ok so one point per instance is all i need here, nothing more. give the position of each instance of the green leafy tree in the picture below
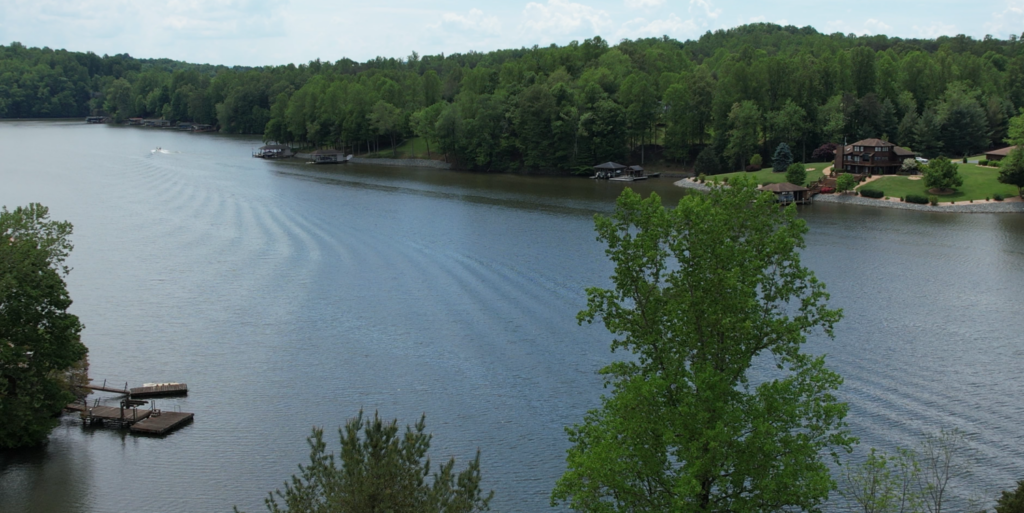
(701, 292)
(744, 120)
(845, 182)
(965, 126)
(1011, 169)
(756, 161)
(380, 470)
(909, 166)
(387, 120)
(707, 162)
(884, 483)
(1012, 502)
(40, 346)
(424, 123)
(1015, 131)
(782, 159)
(796, 174)
(941, 174)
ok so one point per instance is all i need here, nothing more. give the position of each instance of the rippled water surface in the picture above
(288, 296)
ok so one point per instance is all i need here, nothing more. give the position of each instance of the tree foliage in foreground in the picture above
(1012, 502)
(380, 470)
(718, 409)
(41, 352)
(921, 480)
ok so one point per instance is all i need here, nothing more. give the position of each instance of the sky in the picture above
(269, 32)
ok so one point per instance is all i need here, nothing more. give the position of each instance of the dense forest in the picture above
(718, 100)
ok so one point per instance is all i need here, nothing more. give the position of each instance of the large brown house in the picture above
(871, 157)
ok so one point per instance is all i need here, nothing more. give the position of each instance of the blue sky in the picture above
(258, 32)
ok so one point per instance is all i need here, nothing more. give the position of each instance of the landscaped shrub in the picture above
(917, 198)
(702, 177)
(965, 160)
(997, 197)
(828, 190)
(871, 193)
(983, 162)
(753, 168)
(933, 199)
(755, 161)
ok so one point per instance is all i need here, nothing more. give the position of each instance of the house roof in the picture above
(782, 187)
(609, 165)
(635, 168)
(326, 152)
(903, 152)
(1001, 151)
(872, 142)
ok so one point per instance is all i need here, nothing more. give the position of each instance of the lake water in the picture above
(289, 296)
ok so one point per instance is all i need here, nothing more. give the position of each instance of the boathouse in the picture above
(786, 193)
(608, 170)
(327, 157)
(273, 151)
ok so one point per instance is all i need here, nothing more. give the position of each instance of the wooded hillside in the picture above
(731, 94)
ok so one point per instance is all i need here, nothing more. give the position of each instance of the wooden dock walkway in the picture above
(162, 423)
(105, 388)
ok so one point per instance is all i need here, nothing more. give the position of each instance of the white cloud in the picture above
(873, 26)
(563, 17)
(870, 26)
(670, 26)
(643, 4)
(475, 22)
(1009, 20)
(934, 30)
(705, 5)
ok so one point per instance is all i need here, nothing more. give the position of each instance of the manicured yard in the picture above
(766, 175)
(979, 183)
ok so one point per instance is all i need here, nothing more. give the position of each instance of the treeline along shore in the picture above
(725, 97)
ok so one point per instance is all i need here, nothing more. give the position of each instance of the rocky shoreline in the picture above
(961, 208)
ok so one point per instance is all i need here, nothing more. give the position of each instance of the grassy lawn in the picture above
(766, 175)
(979, 183)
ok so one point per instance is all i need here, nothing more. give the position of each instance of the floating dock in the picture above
(128, 415)
(162, 422)
(159, 390)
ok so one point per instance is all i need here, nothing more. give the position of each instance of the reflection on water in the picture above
(288, 296)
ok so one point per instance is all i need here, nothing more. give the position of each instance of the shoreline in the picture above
(991, 207)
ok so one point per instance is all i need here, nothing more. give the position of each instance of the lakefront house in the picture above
(871, 157)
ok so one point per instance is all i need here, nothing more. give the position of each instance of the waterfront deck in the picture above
(105, 414)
